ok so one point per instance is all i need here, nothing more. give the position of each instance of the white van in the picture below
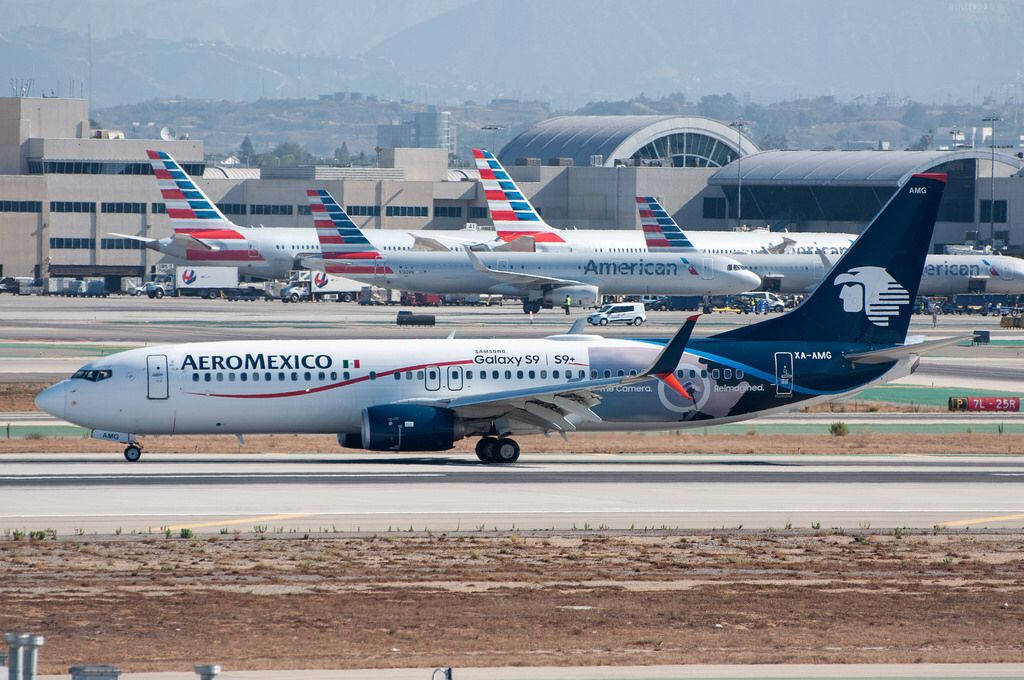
(619, 312)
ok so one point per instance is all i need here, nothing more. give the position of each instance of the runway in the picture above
(89, 493)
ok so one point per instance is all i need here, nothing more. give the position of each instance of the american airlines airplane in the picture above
(512, 221)
(540, 279)
(204, 236)
(799, 273)
(425, 395)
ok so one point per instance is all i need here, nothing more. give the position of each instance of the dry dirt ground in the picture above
(332, 601)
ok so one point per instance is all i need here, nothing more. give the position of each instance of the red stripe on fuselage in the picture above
(538, 236)
(203, 234)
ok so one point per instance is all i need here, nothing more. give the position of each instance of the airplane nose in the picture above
(752, 280)
(51, 400)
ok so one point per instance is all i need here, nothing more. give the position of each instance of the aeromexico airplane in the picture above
(540, 279)
(397, 395)
(202, 235)
(800, 273)
(513, 222)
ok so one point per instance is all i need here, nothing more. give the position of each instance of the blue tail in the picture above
(868, 296)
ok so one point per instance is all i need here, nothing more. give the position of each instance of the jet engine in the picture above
(585, 296)
(405, 427)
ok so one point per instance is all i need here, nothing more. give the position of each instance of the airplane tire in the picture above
(485, 449)
(506, 451)
(132, 453)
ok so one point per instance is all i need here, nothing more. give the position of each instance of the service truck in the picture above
(324, 287)
(187, 281)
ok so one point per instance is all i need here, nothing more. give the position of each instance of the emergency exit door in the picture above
(156, 376)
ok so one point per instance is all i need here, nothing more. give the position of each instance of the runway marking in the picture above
(241, 520)
(981, 520)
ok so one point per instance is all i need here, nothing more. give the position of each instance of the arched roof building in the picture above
(672, 141)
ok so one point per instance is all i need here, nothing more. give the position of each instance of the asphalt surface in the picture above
(94, 493)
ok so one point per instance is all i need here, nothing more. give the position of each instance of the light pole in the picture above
(992, 120)
(494, 138)
(955, 133)
(739, 125)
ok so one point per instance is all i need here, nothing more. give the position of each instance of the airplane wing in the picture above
(519, 278)
(882, 356)
(177, 243)
(315, 263)
(523, 244)
(559, 407)
(428, 243)
(780, 248)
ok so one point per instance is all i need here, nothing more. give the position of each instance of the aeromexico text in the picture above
(256, 362)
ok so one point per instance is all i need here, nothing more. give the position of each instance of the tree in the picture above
(341, 154)
(246, 151)
(922, 144)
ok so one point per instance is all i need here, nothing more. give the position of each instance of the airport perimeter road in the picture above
(377, 493)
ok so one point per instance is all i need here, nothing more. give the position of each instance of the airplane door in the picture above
(455, 377)
(707, 269)
(783, 374)
(432, 378)
(156, 376)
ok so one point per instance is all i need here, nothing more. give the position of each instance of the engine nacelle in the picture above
(582, 296)
(404, 427)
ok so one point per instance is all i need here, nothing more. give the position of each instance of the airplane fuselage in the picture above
(323, 386)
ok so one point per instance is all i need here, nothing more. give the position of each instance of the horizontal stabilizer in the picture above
(884, 356)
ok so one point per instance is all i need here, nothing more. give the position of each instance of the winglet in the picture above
(577, 326)
(664, 366)
(475, 259)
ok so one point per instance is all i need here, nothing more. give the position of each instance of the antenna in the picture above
(90, 62)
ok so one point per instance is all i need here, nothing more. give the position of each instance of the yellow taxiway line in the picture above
(981, 520)
(230, 522)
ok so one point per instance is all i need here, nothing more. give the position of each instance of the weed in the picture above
(185, 532)
(260, 529)
(33, 436)
(223, 531)
(816, 525)
(36, 535)
(936, 529)
(117, 531)
(789, 525)
(838, 429)
(18, 534)
(167, 533)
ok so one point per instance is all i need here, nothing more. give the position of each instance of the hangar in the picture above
(608, 141)
(828, 190)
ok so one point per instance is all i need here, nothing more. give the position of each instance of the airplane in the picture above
(512, 221)
(799, 273)
(202, 235)
(540, 279)
(425, 395)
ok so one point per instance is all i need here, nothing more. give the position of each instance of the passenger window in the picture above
(220, 377)
(255, 377)
(334, 375)
(195, 377)
(419, 375)
(469, 375)
(632, 371)
(508, 375)
(345, 375)
(432, 374)
(620, 373)
(206, 377)
(408, 375)
(494, 375)
(280, 376)
(607, 373)
(703, 373)
(309, 376)
(582, 373)
(714, 374)
(519, 374)
(244, 376)
(693, 373)
(323, 376)
(398, 376)
(231, 377)
(295, 376)
(532, 375)
(544, 375)
(739, 374)
(555, 374)
(268, 376)
(727, 373)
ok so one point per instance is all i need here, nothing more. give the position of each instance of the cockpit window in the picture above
(91, 374)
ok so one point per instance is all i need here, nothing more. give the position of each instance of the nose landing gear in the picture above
(133, 452)
(497, 450)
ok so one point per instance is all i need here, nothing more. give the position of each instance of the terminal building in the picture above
(65, 187)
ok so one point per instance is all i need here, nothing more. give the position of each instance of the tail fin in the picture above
(188, 208)
(660, 231)
(867, 297)
(344, 247)
(512, 213)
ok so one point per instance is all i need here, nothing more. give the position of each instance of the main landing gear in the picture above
(133, 452)
(531, 306)
(497, 450)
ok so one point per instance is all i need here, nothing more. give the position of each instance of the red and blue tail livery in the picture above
(344, 247)
(512, 213)
(660, 231)
(188, 208)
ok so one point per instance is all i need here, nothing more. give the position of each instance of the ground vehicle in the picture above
(372, 295)
(769, 302)
(207, 282)
(655, 303)
(421, 299)
(620, 312)
(14, 284)
(246, 292)
(324, 287)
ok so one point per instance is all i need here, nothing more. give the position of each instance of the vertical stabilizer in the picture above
(344, 247)
(512, 213)
(660, 230)
(188, 208)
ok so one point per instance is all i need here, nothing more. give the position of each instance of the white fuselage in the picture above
(942, 275)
